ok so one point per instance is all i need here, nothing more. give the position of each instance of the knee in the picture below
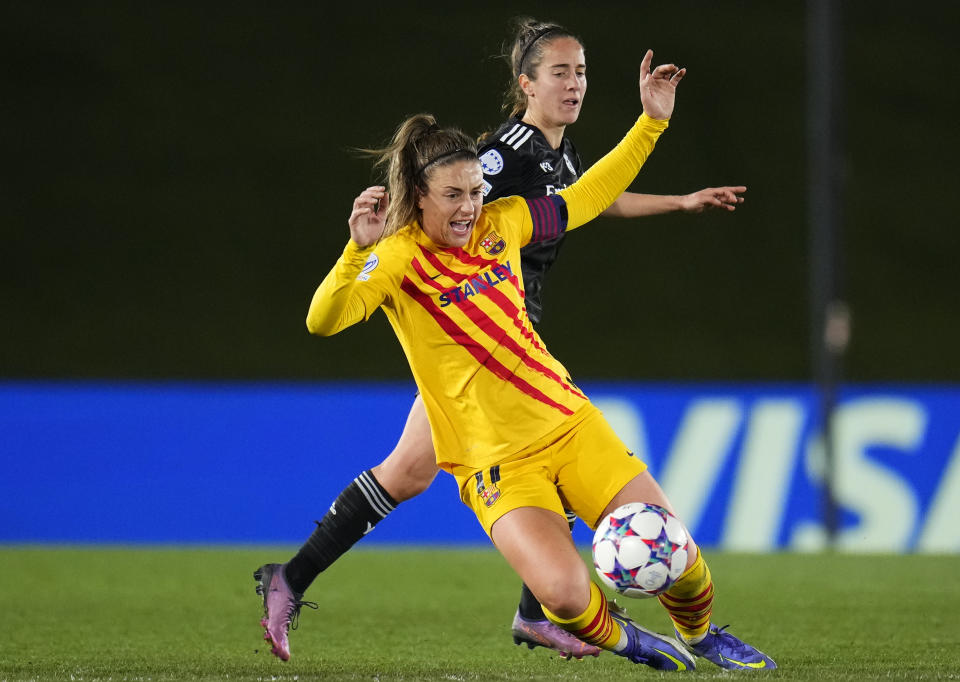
(565, 596)
(412, 483)
(406, 475)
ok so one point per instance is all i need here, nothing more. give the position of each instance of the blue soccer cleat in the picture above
(658, 651)
(722, 648)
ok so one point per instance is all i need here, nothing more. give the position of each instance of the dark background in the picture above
(176, 180)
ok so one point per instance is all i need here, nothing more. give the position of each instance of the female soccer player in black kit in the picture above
(529, 156)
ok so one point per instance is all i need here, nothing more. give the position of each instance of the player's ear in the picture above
(525, 84)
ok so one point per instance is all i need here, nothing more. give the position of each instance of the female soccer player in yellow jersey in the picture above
(520, 438)
(528, 156)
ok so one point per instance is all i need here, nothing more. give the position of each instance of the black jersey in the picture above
(518, 160)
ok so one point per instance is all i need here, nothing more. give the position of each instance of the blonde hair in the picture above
(531, 39)
(418, 147)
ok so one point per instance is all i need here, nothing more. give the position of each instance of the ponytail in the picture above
(417, 148)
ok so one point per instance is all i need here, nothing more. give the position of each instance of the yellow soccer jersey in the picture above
(488, 383)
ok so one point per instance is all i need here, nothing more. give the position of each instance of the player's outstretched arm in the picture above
(633, 205)
(723, 198)
(607, 179)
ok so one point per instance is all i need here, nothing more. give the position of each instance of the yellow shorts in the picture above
(579, 466)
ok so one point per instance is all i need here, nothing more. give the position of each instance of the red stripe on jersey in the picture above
(468, 259)
(490, 327)
(460, 255)
(498, 297)
(479, 353)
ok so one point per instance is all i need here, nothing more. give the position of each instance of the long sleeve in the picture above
(609, 177)
(337, 303)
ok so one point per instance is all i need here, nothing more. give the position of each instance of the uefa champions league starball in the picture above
(640, 550)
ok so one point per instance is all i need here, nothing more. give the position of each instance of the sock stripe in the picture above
(703, 622)
(689, 609)
(375, 494)
(674, 600)
(600, 627)
(688, 605)
(690, 600)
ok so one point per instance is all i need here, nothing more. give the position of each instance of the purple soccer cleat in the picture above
(729, 652)
(281, 608)
(650, 648)
(546, 634)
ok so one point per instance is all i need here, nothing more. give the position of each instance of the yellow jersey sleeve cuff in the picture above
(653, 124)
(356, 255)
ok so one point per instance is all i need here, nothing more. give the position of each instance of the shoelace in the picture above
(293, 611)
(736, 644)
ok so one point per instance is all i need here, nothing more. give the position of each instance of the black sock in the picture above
(529, 606)
(358, 508)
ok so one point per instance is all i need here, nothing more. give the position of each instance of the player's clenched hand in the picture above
(368, 218)
(725, 198)
(658, 88)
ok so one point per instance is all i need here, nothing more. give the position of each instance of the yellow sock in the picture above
(593, 626)
(689, 601)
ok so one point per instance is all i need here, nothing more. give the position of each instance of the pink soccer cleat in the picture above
(281, 608)
(546, 634)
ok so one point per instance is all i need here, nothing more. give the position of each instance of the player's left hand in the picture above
(724, 198)
(658, 87)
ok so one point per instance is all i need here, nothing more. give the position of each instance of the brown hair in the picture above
(531, 39)
(418, 147)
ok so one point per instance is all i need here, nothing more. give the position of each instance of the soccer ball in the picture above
(640, 550)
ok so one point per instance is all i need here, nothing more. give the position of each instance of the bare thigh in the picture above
(536, 542)
(411, 467)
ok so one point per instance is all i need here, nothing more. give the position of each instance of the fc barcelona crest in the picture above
(493, 244)
(489, 493)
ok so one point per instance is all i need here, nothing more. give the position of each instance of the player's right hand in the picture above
(658, 88)
(368, 218)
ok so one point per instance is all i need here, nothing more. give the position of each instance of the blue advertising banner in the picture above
(257, 463)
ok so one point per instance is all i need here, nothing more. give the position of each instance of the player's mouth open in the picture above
(572, 102)
(461, 227)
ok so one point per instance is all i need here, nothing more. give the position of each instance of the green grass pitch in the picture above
(444, 614)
